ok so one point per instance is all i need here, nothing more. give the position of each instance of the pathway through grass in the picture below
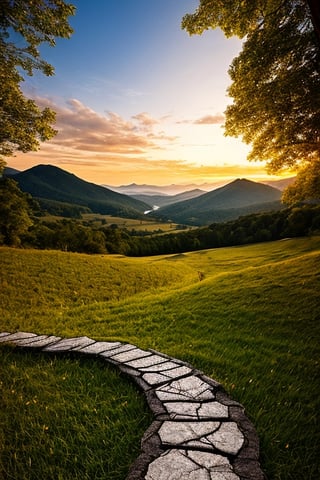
(252, 324)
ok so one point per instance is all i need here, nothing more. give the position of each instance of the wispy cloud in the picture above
(81, 128)
(107, 148)
(145, 120)
(216, 119)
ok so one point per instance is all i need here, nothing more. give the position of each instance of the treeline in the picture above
(71, 235)
(21, 224)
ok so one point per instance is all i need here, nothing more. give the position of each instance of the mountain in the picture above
(49, 183)
(9, 172)
(163, 200)
(173, 189)
(280, 184)
(237, 198)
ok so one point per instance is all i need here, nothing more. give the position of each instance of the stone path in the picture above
(198, 433)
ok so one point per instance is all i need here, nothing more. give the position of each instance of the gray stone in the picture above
(160, 367)
(130, 355)
(199, 433)
(225, 437)
(12, 337)
(183, 434)
(68, 344)
(186, 465)
(156, 378)
(228, 439)
(122, 348)
(4, 334)
(98, 347)
(196, 410)
(190, 388)
(37, 342)
(147, 361)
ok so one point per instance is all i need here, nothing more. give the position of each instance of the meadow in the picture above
(252, 323)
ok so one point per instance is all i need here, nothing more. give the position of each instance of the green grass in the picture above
(67, 418)
(252, 324)
(148, 224)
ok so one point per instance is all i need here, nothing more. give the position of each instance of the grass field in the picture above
(252, 323)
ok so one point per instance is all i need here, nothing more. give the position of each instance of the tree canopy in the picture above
(275, 79)
(15, 212)
(24, 25)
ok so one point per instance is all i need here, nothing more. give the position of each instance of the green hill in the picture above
(162, 200)
(237, 198)
(46, 182)
(251, 323)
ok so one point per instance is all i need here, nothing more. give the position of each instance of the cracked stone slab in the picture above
(150, 361)
(225, 436)
(190, 388)
(186, 465)
(196, 410)
(12, 337)
(98, 347)
(4, 334)
(130, 355)
(198, 430)
(164, 376)
(38, 342)
(67, 344)
(160, 367)
(122, 348)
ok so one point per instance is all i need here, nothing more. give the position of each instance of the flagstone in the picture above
(131, 355)
(199, 433)
(67, 344)
(161, 367)
(38, 342)
(98, 347)
(186, 465)
(4, 334)
(147, 361)
(17, 336)
(196, 410)
(122, 348)
(188, 388)
(225, 437)
(156, 378)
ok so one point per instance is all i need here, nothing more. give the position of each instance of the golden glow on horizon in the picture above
(108, 149)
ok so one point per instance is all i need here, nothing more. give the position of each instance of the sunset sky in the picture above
(138, 99)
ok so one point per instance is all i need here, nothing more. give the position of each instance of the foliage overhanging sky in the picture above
(138, 99)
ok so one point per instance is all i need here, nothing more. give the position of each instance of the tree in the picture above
(306, 186)
(15, 211)
(275, 78)
(24, 25)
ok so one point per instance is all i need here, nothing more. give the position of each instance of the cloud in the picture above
(107, 148)
(145, 120)
(217, 119)
(81, 128)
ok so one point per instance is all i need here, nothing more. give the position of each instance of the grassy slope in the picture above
(57, 423)
(252, 323)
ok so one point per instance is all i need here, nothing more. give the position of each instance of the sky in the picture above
(138, 100)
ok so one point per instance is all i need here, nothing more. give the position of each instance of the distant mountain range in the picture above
(237, 198)
(135, 189)
(48, 183)
(57, 189)
(173, 189)
(162, 200)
